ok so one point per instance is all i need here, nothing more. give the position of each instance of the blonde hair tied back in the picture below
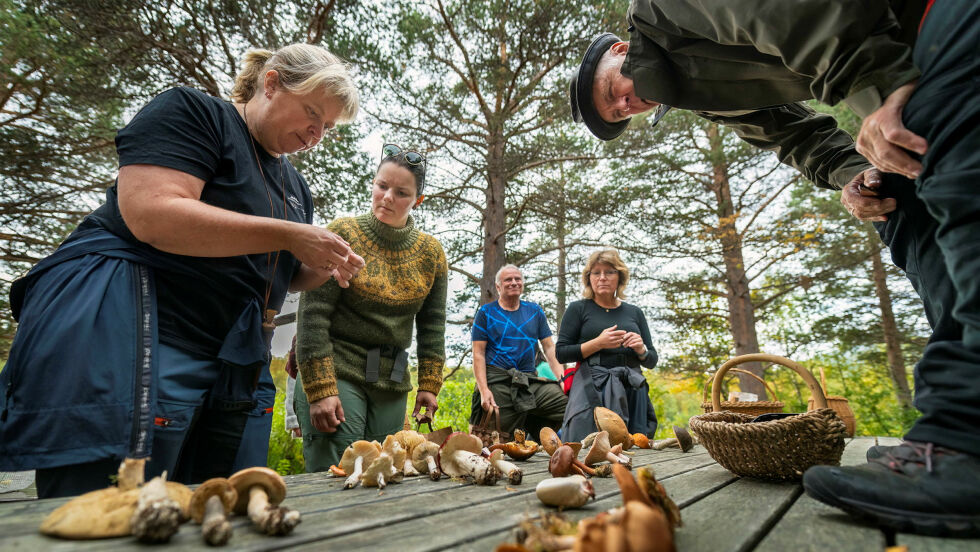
(302, 68)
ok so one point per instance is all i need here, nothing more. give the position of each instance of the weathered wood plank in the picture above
(811, 525)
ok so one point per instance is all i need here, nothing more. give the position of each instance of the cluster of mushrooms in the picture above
(408, 453)
(644, 523)
(153, 511)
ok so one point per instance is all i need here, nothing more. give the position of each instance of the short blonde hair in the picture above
(611, 258)
(302, 68)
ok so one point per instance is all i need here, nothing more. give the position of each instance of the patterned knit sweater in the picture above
(403, 280)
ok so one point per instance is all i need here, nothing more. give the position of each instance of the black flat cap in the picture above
(580, 91)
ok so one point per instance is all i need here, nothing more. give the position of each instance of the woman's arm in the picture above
(162, 207)
(568, 348)
(650, 360)
(430, 324)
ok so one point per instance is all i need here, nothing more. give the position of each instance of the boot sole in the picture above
(903, 521)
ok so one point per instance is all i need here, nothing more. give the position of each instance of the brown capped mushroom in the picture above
(460, 456)
(260, 490)
(409, 439)
(94, 515)
(210, 504)
(392, 447)
(600, 452)
(610, 422)
(641, 441)
(565, 492)
(549, 440)
(575, 446)
(681, 439)
(513, 474)
(564, 463)
(658, 496)
(357, 456)
(424, 459)
(157, 516)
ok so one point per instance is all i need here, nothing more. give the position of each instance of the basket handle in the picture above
(823, 380)
(704, 393)
(819, 399)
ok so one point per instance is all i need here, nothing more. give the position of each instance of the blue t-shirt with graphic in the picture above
(511, 336)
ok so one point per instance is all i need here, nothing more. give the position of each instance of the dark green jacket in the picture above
(747, 63)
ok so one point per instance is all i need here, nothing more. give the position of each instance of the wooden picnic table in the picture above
(721, 512)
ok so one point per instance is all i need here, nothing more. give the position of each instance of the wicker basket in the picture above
(752, 408)
(777, 450)
(839, 404)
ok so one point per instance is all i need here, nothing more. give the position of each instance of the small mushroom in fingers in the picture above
(260, 490)
(210, 505)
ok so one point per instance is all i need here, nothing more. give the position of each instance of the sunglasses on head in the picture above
(411, 157)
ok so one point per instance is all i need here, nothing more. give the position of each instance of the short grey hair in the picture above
(496, 279)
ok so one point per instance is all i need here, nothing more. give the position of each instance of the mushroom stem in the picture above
(476, 466)
(664, 443)
(215, 527)
(409, 470)
(434, 473)
(157, 516)
(355, 476)
(270, 519)
(381, 481)
(513, 473)
(582, 467)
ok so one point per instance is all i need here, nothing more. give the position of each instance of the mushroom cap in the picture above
(600, 446)
(217, 486)
(363, 449)
(422, 451)
(457, 441)
(409, 439)
(549, 440)
(684, 438)
(181, 494)
(397, 452)
(609, 421)
(383, 465)
(576, 447)
(641, 440)
(269, 480)
(561, 462)
(93, 515)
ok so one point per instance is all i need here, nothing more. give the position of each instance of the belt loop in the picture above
(398, 369)
(373, 365)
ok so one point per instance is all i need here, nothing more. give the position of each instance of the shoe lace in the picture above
(922, 453)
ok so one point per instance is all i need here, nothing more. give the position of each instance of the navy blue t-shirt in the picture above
(189, 131)
(511, 336)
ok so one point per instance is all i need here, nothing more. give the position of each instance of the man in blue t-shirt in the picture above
(505, 337)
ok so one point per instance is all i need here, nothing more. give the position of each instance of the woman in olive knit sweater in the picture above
(351, 342)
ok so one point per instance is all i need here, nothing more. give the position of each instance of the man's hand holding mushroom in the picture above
(427, 400)
(327, 414)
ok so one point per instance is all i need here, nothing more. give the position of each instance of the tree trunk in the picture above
(741, 312)
(494, 220)
(562, 287)
(889, 328)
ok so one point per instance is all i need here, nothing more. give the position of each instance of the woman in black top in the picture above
(611, 341)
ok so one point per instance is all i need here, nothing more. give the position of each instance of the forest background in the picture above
(730, 251)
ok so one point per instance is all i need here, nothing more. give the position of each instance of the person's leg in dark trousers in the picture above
(549, 410)
(931, 483)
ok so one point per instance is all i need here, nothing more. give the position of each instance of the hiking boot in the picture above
(913, 487)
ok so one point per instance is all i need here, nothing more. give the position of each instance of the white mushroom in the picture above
(378, 472)
(260, 490)
(424, 459)
(460, 456)
(513, 473)
(210, 504)
(409, 439)
(600, 451)
(357, 456)
(392, 447)
(157, 516)
(565, 492)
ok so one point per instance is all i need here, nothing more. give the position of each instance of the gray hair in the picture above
(496, 278)
(302, 68)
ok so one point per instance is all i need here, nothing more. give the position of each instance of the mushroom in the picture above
(549, 440)
(565, 492)
(564, 463)
(424, 459)
(609, 421)
(518, 449)
(460, 456)
(260, 490)
(392, 447)
(356, 457)
(210, 503)
(600, 452)
(107, 512)
(513, 473)
(379, 472)
(575, 446)
(681, 439)
(409, 439)
(157, 516)
(641, 440)
(653, 490)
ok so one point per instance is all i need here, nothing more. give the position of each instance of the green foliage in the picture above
(285, 452)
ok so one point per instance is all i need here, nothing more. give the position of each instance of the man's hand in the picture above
(883, 138)
(429, 401)
(860, 197)
(486, 400)
(327, 414)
